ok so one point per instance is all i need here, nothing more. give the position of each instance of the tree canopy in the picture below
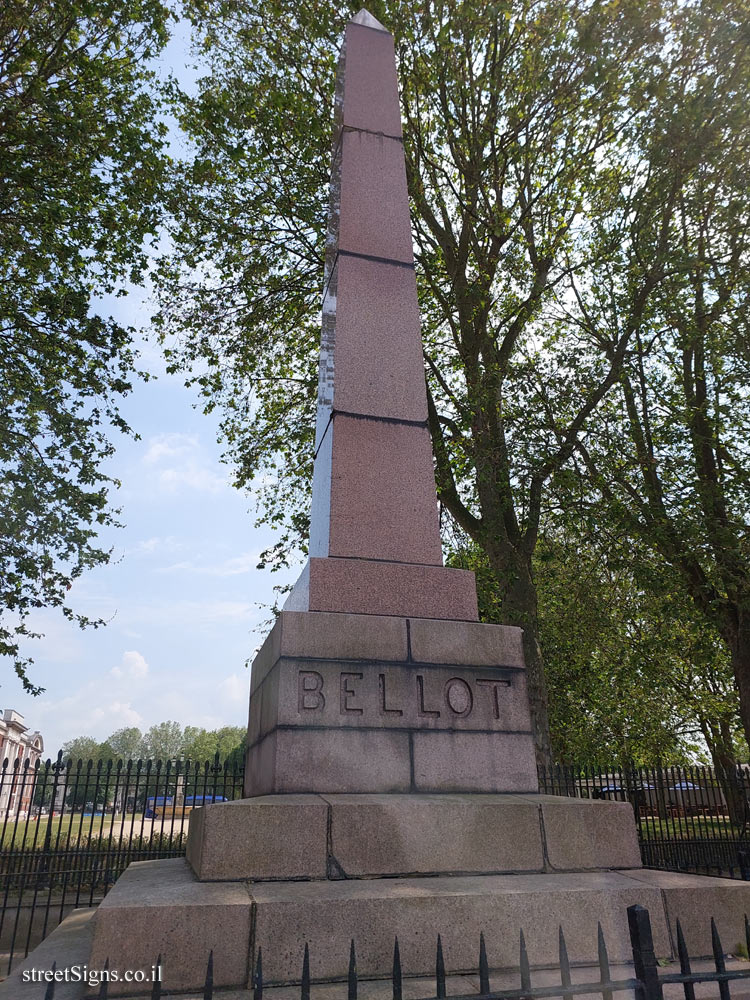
(83, 162)
(572, 170)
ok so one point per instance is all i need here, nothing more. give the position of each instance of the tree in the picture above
(126, 743)
(83, 165)
(515, 126)
(164, 741)
(670, 457)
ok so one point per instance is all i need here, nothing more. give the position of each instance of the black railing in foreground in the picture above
(647, 982)
(69, 829)
(694, 819)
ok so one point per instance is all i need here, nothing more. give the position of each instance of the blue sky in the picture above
(183, 598)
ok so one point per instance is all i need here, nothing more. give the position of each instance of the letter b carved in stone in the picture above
(310, 691)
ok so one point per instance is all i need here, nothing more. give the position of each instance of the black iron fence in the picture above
(694, 819)
(647, 982)
(68, 829)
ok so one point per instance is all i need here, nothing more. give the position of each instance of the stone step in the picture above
(360, 836)
(159, 907)
(70, 945)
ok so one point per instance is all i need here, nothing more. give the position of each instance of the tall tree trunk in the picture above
(738, 641)
(520, 607)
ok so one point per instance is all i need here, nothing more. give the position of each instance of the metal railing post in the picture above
(644, 957)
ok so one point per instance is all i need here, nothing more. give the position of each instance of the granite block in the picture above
(375, 911)
(694, 899)
(378, 364)
(470, 643)
(267, 837)
(474, 762)
(423, 834)
(158, 907)
(384, 695)
(383, 503)
(371, 88)
(586, 833)
(374, 214)
(329, 760)
(362, 587)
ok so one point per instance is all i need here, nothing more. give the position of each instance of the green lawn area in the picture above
(70, 829)
(688, 828)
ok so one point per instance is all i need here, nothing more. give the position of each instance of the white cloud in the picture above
(179, 462)
(149, 546)
(116, 715)
(235, 688)
(237, 565)
(163, 446)
(133, 666)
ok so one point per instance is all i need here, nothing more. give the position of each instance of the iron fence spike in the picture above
(49, 993)
(258, 982)
(396, 974)
(524, 965)
(604, 973)
(156, 985)
(104, 985)
(484, 971)
(439, 971)
(208, 988)
(682, 954)
(305, 991)
(352, 975)
(564, 960)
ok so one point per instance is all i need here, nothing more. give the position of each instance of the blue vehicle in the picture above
(204, 800)
(153, 803)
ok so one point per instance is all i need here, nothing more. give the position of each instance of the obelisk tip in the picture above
(365, 18)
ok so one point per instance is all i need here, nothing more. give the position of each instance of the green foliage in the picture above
(83, 166)
(578, 188)
(163, 741)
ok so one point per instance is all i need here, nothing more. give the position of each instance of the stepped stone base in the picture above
(160, 907)
(364, 836)
(372, 703)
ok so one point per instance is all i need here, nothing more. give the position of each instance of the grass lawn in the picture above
(70, 829)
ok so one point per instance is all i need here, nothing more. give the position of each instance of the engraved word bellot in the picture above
(391, 696)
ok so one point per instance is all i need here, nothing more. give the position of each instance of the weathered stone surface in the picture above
(468, 642)
(267, 837)
(379, 368)
(423, 834)
(374, 218)
(383, 502)
(331, 636)
(67, 945)
(158, 907)
(586, 833)
(416, 910)
(694, 899)
(382, 695)
(371, 94)
(480, 762)
(361, 586)
(329, 760)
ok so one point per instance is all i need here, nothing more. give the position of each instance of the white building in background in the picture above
(17, 743)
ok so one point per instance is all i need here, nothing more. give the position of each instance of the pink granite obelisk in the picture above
(374, 537)
(377, 676)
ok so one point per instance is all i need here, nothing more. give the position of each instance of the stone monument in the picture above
(391, 783)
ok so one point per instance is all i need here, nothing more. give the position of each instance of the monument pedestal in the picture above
(370, 703)
(453, 837)
(278, 872)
